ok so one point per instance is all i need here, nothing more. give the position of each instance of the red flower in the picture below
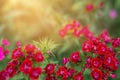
(26, 66)
(62, 32)
(38, 57)
(78, 76)
(95, 41)
(101, 5)
(4, 75)
(105, 76)
(29, 48)
(88, 63)
(6, 51)
(62, 71)
(75, 56)
(96, 74)
(89, 7)
(111, 52)
(115, 63)
(96, 63)
(50, 77)
(87, 46)
(15, 62)
(77, 32)
(11, 71)
(70, 72)
(101, 49)
(17, 53)
(108, 60)
(35, 72)
(116, 42)
(49, 69)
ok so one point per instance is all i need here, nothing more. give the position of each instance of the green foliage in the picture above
(46, 45)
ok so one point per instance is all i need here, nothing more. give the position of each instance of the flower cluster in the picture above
(116, 42)
(71, 28)
(23, 61)
(3, 48)
(90, 6)
(101, 56)
(54, 71)
(97, 54)
(76, 29)
(104, 60)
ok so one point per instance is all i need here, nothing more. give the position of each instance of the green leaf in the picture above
(20, 76)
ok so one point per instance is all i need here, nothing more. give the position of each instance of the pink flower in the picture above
(65, 60)
(5, 42)
(87, 33)
(49, 52)
(76, 23)
(18, 43)
(89, 7)
(68, 27)
(6, 51)
(77, 33)
(2, 56)
(62, 32)
(71, 71)
(113, 14)
(105, 36)
(88, 62)
(116, 42)
(4, 75)
(113, 76)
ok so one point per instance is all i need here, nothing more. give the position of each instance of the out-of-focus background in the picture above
(26, 20)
